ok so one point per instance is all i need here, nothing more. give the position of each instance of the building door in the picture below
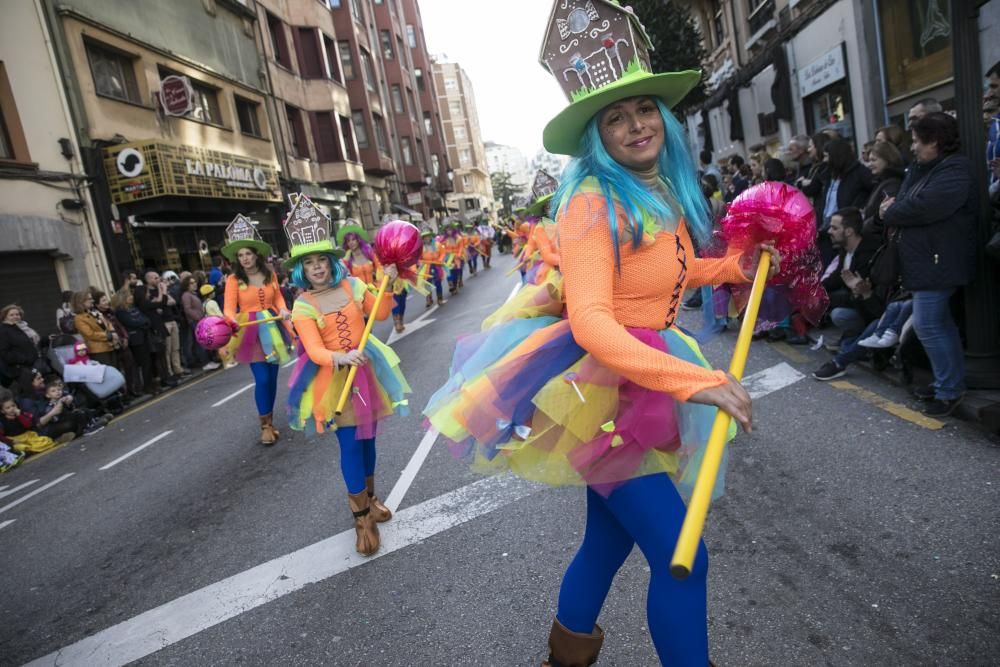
(29, 280)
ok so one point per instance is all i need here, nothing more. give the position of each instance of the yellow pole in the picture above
(361, 346)
(263, 320)
(697, 510)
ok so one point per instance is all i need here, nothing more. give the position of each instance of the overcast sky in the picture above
(497, 44)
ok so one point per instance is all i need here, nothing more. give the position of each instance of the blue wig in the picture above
(298, 274)
(618, 183)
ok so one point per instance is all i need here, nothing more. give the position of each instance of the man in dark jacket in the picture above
(854, 256)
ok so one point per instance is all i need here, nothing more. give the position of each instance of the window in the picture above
(360, 130)
(369, 70)
(411, 36)
(436, 165)
(428, 124)
(397, 99)
(12, 143)
(279, 42)
(460, 132)
(205, 104)
(386, 40)
(421, 158)
(297, 132)
(310, 58)
(348, 133)
(718, 23)
(380, 136)
(455, 108)
(356, 11)
(465, 157)
(248, 114)
(325, 134)
(407, 148)
(419, 75)
(114, 74)
(467, 182)
(413, 106)
(450, 83)
(330, 52)
(346, 60)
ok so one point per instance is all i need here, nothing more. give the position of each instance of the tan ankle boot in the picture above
(380, 512)
(573, 649)
(364, 523)
(398, 321)
(268, 436)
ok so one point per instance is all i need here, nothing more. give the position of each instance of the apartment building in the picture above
(473, 193)
(501, 158)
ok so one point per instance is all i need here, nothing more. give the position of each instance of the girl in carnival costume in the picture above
(432, 267)
(252, 293)
(541, 255)
(472, 247)
(454, 248)
(329, 317)
(486, 233)
(616, 398)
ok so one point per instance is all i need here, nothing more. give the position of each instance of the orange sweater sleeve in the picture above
(384, 308)
(230, 298)
(717, 271)
(588, 266)
(312, 341)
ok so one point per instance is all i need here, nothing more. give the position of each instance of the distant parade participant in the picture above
(432, 266)
(614, 396)
(329, 317)
(486, 233)
(454, 248)
(360, 261)
(252, 293)
(472, 250)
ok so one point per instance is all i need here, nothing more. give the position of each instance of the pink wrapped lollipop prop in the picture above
(213, 333)
(770, 212)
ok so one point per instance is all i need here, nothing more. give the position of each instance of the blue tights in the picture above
(357, 458)
(400, 300)
(266, 377)
(646, 511)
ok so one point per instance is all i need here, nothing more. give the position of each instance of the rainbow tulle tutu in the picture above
(523, 396)
(379, 390)
(270, 342)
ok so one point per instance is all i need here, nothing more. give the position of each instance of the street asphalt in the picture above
(848, 536)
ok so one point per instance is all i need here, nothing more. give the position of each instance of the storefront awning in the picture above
(417, 216)
(185, 223)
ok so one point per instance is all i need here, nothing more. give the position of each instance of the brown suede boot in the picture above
(573, 649)
(364, 523)
(398, 322)
(268, 436)
(441, 301)
(380, 512)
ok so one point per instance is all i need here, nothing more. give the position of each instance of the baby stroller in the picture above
(101, 385)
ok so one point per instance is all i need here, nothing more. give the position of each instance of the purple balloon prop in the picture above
(212, 333)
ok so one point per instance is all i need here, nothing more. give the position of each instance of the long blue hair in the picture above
(619, 184)
(337, 272)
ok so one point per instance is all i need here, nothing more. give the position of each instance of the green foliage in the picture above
(504, 189)
(677, 42)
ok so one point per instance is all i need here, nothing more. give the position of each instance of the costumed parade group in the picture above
(583, 378)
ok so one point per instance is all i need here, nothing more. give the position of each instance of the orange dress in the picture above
(431, 263)
(243, 303)
(364, 272)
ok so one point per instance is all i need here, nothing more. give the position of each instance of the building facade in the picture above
(473, 195)
(170, 103)
(49, 235)
(501, 158)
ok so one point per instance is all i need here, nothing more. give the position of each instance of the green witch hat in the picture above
(242, 233)
(308, 232)
(599, 53)
(351, 227)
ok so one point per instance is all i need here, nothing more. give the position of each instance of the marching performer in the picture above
(252, 293)
(472, 247)
(615, 397)
(432, 266)
(454, 250)
(360, 261)
(330, 318)
(485, 231)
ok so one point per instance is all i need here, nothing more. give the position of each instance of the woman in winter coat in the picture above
(97, 331)
(138, 326)
(887, 168)
(126, 360)
(17, 350)
(936, 214)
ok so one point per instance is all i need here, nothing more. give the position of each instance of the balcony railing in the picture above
(760, 15)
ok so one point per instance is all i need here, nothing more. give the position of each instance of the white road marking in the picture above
(290, 363)
(17, 488)
(204, 608)
(415, 325)
(234, 395)
(136, 450)
(7, 523)
(770, 380)
(35, 492)
(412, 468)
(513, 292)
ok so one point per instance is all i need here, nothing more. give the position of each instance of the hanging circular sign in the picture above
(203, 247)
(176, 95)
(130, 162)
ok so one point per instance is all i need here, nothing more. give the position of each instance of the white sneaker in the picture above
(871, 341)
(210, 366)
(888, 339)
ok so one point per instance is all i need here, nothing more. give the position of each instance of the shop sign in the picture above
(414, 198)
(823, 71)
(143, 170)
(176, 95)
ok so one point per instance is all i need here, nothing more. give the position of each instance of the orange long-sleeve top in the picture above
(646, 293)
(342, 329)
(365, 272)
(251, 299)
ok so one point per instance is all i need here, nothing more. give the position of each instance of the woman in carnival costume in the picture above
(329, 317)
(454, 249)
(541, 256)
(615, 397)
(486, 232)
(360, 261)
(252, 293)
(432, 266)
(472, 247)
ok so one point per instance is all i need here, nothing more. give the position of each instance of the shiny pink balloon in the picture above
(212, 333)
(398, 242)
